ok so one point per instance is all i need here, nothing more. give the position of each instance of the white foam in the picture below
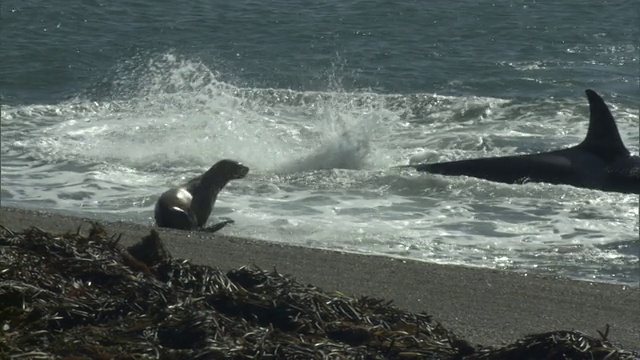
(321, 167)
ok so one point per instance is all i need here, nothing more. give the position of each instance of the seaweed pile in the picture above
(80, 296)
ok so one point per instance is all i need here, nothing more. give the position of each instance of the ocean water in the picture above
(104, 106)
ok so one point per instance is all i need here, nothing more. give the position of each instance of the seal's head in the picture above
(232, 169)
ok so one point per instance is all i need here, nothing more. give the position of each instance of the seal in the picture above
(188, 207)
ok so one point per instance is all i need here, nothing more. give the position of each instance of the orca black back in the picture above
(601, 161)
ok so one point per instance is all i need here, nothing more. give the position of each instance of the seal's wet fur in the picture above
(188, 207)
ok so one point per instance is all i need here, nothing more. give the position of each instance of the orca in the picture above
(601, 161)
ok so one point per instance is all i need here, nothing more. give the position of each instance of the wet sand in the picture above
(487, 307)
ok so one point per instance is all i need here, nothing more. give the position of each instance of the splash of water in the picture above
(170, 118)
(344, 152)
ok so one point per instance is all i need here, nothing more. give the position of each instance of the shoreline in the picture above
(113, 218)
(490, 307)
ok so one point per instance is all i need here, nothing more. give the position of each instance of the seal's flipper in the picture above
(603, 138)
(224, 218)
(218, 226)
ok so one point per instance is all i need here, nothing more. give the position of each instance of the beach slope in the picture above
(483, 306)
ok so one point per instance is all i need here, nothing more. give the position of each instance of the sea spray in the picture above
(110, 156)
(346, 151)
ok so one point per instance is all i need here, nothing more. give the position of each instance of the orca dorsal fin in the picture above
(603, 138)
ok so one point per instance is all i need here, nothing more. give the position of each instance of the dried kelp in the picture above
(80, 296)
(558, 345)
